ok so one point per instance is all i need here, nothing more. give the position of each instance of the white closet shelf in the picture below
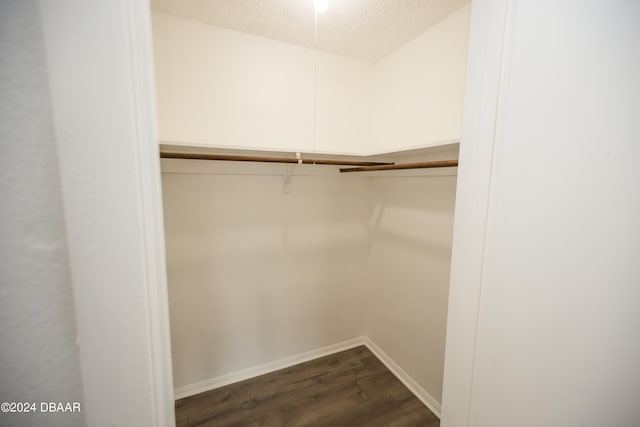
(430, 146)
(417, 158)
(271, 159)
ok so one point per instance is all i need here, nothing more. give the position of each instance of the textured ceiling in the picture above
(365, 29)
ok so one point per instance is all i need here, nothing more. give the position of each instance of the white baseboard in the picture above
(233, 377)
(405, 378)
(223, 380)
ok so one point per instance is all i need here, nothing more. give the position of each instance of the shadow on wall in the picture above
(256, 275)
(414, 213)
(411, 228)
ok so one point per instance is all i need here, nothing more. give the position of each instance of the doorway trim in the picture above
(101, 85)
(486, 64)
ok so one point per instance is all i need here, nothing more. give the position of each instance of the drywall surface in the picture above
(411, 227)
(39, 359)
(257, 275)
(229, 89)
(343, 104)
(223, 88)
(419, 88)
(558, 342)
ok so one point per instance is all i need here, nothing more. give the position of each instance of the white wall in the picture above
(411, 224)
(343, 104)
(557, 329)
(257, 275)
(229, 89)
(39, 359)
(419, 88)
(224, 88)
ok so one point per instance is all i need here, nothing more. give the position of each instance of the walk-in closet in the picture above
(309, 162)
(279, 213)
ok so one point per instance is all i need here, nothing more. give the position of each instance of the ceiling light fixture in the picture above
(321, 5)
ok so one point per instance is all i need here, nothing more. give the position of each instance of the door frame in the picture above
(101, 85)
(489, 37)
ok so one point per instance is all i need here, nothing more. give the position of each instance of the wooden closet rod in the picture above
(418, 165)
(235, 158)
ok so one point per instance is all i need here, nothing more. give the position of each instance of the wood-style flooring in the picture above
(351, 388)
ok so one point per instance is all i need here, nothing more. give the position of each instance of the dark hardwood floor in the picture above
(351, 388)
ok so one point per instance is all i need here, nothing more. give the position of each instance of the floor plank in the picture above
(350, 388)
